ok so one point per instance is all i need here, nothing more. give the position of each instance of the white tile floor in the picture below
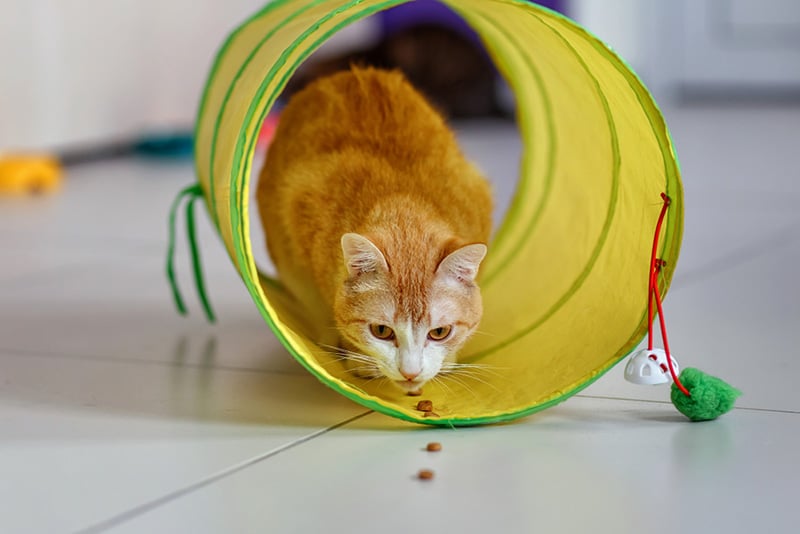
(116, 415)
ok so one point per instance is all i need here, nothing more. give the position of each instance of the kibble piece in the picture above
(425, 406)
(431, 414)
(415, 393)
(434, 446)
(425, 474)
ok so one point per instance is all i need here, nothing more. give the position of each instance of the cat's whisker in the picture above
(337, 355)
(349, 360)
(345, 353)
(485, 366)
(368, 380)
(473, 368)
(340, 349)
(476, 374)
(359, 368)
(440, 381)
(483, 333)
(332, 362)
(334, 348)
(369, 363)
(335, 358)
(373, 374)
(461, 383)
(369, 366)
(467, 375)
(328, 364)
(468, 369)
(480, 379)
(455, 379)
(475, 365)
(354, 358)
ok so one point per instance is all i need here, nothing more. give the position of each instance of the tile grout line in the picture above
(649, 401)
(176, 494)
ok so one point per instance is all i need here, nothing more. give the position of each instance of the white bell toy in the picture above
(650, 367)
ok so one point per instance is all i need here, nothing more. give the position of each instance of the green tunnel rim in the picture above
(237, 77)
(201, 111)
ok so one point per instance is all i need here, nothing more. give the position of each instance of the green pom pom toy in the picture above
(709, 397)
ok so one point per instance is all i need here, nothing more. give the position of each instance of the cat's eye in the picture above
(440, 334)
(381, 331)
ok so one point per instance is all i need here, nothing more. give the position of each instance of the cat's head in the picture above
(408, 315)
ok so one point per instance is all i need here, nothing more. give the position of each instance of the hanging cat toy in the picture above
(697, 395)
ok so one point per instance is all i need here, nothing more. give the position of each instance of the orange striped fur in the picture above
(373, 217)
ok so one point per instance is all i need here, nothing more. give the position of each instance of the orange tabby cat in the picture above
(377, 223)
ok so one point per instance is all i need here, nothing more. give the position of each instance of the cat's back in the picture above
(372, 110)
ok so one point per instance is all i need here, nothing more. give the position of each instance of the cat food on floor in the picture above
(434, 446)
(415, 393)
(425, 406)
(425, 474)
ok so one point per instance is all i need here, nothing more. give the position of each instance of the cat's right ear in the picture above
(463, 264)
(361, 255)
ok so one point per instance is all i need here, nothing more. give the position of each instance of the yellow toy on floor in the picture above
(22, 175)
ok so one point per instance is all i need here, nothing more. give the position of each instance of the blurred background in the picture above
(85, 71)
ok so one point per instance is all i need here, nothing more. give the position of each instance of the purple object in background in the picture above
(433, 12)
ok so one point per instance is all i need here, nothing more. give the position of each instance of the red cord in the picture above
(663, 326)
(650, 312)
(653, 294)
(651, 280)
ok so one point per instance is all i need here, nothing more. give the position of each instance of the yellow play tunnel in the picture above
(565, 282)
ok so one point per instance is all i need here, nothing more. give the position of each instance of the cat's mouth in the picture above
(409, 386)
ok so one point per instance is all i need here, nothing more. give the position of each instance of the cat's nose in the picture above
(409, 375)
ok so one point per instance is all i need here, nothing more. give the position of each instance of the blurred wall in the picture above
(619, 23)
(709, 48)
(84, 70)
(81, 71)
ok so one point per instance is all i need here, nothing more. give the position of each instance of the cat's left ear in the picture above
(361, 255)
(463, 264)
